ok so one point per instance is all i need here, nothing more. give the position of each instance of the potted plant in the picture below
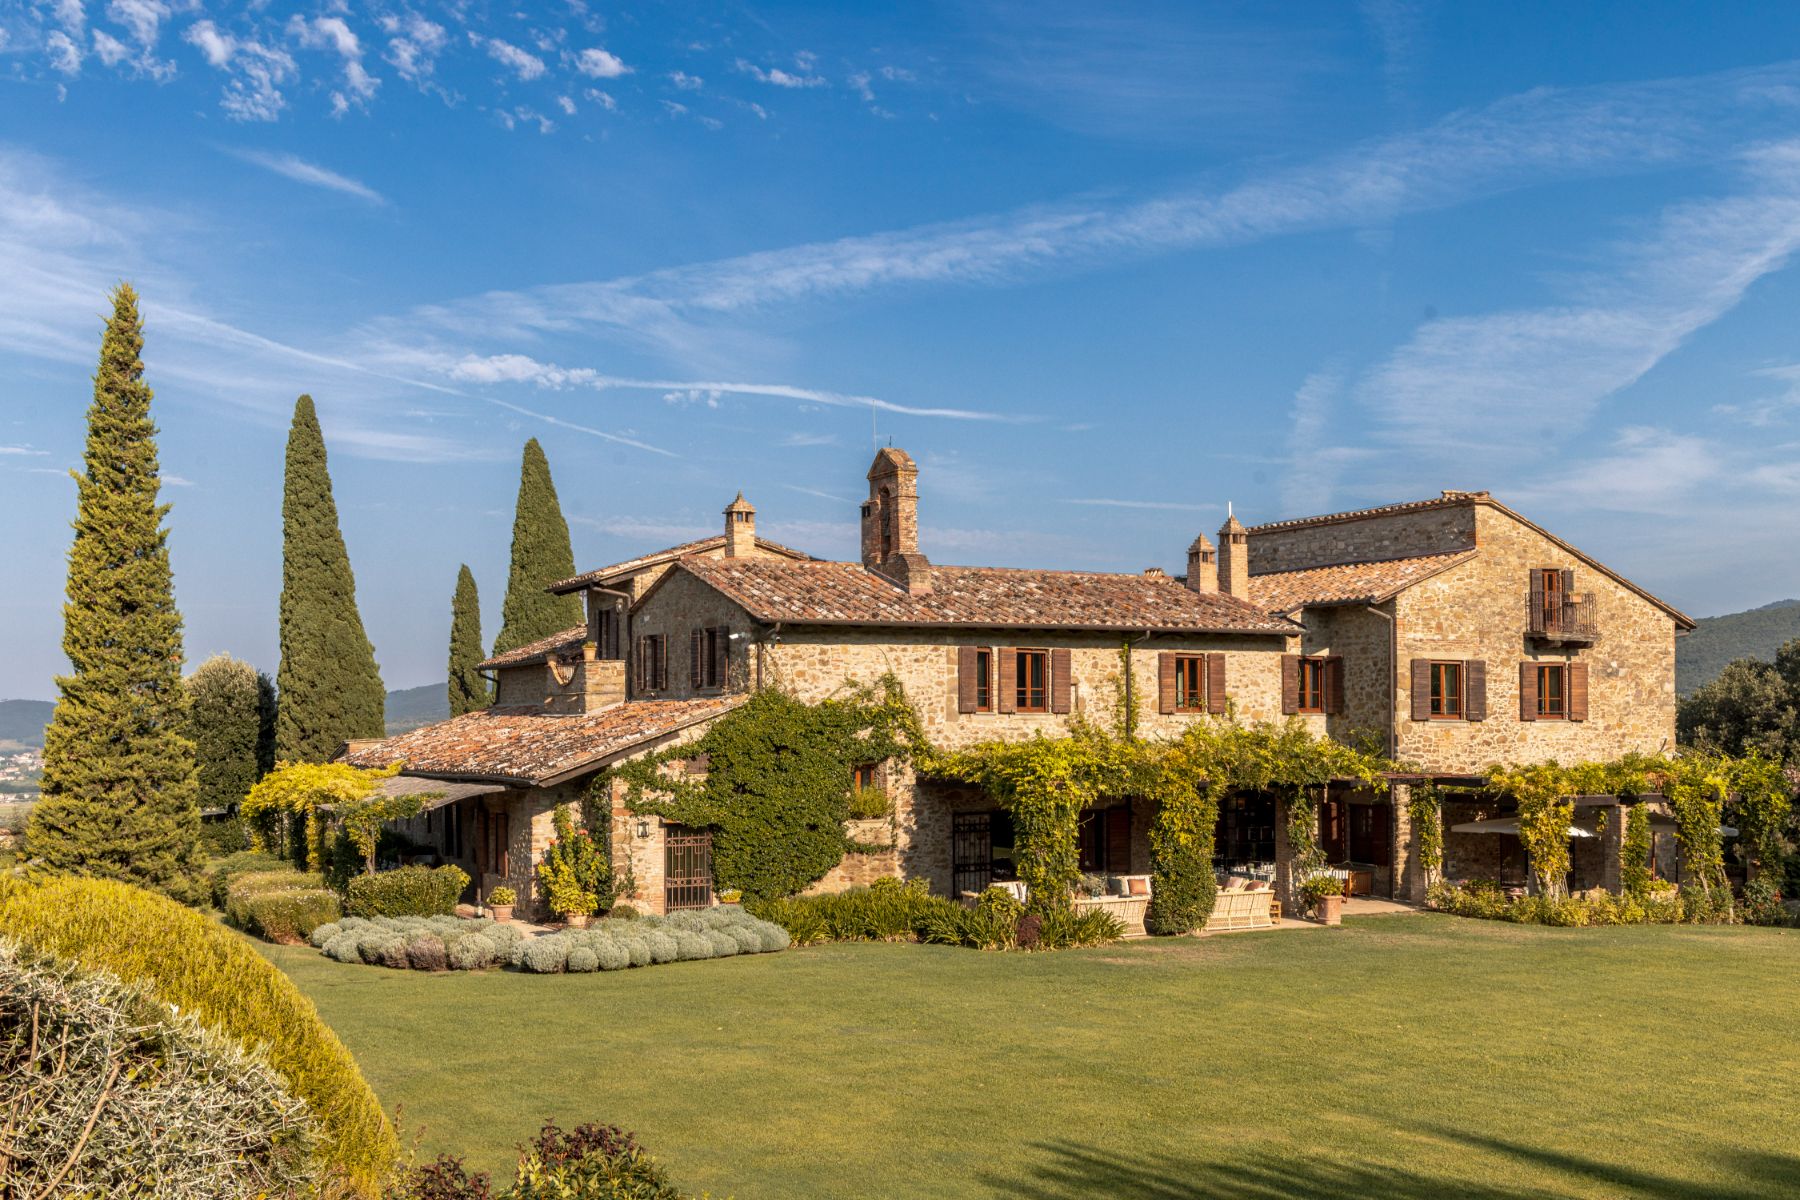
(731, 896)
(573, 873)
(1325, 895)
(500, 902)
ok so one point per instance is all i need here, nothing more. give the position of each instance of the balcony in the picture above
(1565, 620)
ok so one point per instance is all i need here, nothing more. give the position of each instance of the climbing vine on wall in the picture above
(1425, 817)
(1634, 853)
(776, 790)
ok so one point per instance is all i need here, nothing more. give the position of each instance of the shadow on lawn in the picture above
(1070, 1171)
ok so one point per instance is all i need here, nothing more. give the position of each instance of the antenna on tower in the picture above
(1228, 510)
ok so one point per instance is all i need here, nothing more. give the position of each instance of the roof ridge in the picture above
(1368, 562)
(1449, 498)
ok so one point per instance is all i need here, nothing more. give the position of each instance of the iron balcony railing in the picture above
(1568, 618)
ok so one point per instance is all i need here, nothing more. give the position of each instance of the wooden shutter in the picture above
(1475, 690)
(1118, 840)
(1334, 684)
(1006, 686)
(721, 675)
(1290, 683)
(968, 681)
(1568, 585)
(639, 681)
(1536, 621)
(1062, 688)
(1575, 698)
(1421, 689)
(662, 661)
(1527, 691)
(1165, 682)
(1215, 683)
(697, 659)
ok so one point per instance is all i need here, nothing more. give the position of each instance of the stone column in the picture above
(1284, 862)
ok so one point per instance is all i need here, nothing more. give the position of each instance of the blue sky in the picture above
(1100, 272)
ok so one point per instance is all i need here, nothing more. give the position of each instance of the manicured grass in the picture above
(1409, 1056)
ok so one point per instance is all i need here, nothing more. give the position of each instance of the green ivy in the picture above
(776, 793)
(1425, 817)
(1634, 854)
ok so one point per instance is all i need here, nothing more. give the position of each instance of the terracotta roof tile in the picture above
(715, 542)
(837, 593)
(528, 746)
(1446, 499)
(530, 652)
(1347, 583)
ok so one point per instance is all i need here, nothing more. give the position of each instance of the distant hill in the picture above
(22, 721)
(1758, 633)
(412, 707)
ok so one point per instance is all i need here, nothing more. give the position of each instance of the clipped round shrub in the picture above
(690, 946)
(582, 959)
(637, 950)
(379, 942)
(1030, 930)
(662, 947)
(426, 953)
(622, 912)
(187, 960)
(324, 933)
(393, 954)
(545, 955)
(746, 938)
(469, 953)
(773, 936)
(344, 948)
(501, 935)
(722, 943)
(614, 957)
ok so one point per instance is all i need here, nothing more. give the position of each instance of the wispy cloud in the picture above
(1170, 505)
(256, 71)
(22, 451)
(293, 167)
(777, 77)
(806, 491)
(596, 63)
(522, 63)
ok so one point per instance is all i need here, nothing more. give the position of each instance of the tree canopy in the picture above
(540, 557)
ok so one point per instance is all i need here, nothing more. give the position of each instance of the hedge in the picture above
(222, 871)
(406, 892)
(201, 1118)
(282, 906)
(204, 969)
(889, 910)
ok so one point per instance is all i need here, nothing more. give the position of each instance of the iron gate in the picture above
(972, 852)
(687, 868)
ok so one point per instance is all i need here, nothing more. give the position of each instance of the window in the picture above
(1446, 691)
(1552, 694)
(652, 662)
(862, 777)
(1031, 679)
(1551, 581)
(1312, 685)
(984, 673)
(1190, 683)
(709, 664)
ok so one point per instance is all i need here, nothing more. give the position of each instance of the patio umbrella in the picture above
(1510, 825)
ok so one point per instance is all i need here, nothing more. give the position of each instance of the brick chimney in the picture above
(1203, 565)
(1234, 558)
(890, 522)
(740, 528)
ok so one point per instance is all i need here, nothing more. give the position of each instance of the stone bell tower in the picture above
(890, 522)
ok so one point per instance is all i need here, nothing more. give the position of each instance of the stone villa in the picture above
(1452, 628)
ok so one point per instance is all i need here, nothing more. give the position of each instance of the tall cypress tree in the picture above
(540, 557)
(119, 782)
(468, 687)
(330, 688)
(225, 721)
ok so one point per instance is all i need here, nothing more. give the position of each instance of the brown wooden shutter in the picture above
(1334, 684)
(1165, 682)
(1527, 691)
(1006, 686)
(1535, 618)
(721, 656)
(968, 681)
(697, 659)
(1118, 839)
(1475, 690)
(1290, 683)
(1568, 584)
(1421, 689)
(1576, 701)
(1215, 683)
(637, 665)
(1062, 687)
(662, 661)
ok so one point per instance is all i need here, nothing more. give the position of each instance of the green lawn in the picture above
(1404, 1056)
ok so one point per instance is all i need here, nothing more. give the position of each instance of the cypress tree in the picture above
(329, 686)
(540, 556)
(265, 723)
(225, 722)
(119, 782)
(468, 687)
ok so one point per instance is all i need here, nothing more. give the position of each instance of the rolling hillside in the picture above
(22, 721)
(1758, 633)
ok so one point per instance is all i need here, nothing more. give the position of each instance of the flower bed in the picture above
(459, 944)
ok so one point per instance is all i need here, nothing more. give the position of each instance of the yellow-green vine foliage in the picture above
(776, 793)
(1545, 793)
(1695, 786)
(300, 790)
(1634, 854)
(1762, 809)
(1425, 817)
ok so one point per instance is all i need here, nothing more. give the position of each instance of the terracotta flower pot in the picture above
(1331, 910)
(502, 912)
(576, 920)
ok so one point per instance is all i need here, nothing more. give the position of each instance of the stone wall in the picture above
(1363, 639)
(1477, 610)
(681, 605)
(1364, 539)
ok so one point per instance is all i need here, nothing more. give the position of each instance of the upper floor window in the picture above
(1552, 691)
(984, 674)
(1311, 693)
(1446, 691)
(708, 665)
(652, 668)
(862, 777)
(1032, 681)
(1190, 683)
